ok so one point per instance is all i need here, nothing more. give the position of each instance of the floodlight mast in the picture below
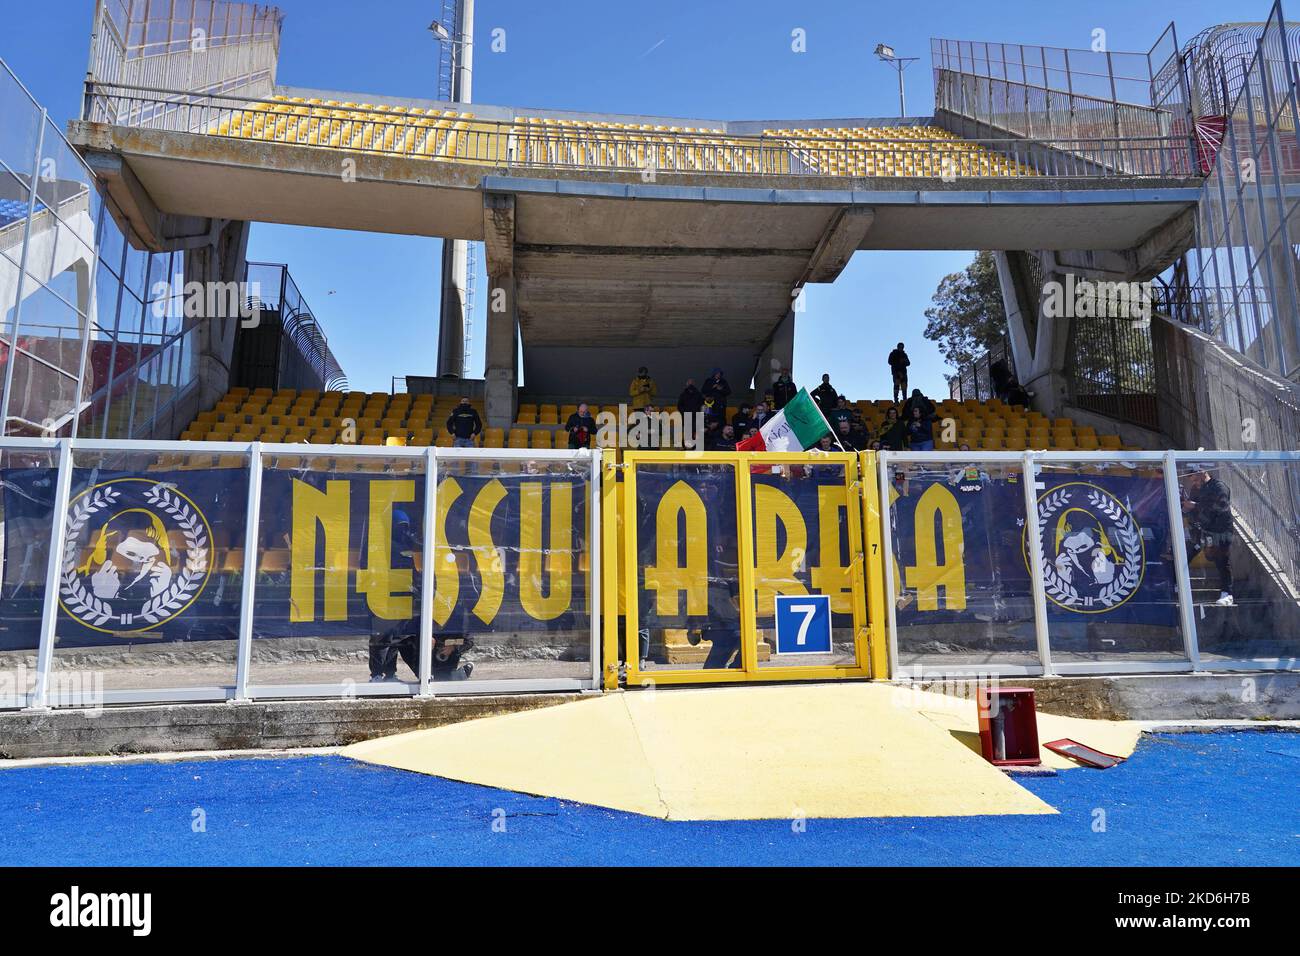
(885, 53)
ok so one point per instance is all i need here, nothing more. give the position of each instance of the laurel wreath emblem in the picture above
(1127, 534)
(97, 612)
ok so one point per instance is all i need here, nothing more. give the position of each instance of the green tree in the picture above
(967, 318)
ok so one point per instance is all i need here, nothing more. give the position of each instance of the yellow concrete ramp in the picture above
(777, 752)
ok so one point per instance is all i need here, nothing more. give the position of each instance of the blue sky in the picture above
(723, 59)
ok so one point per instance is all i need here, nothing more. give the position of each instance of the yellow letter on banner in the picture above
(446, 575)
(559, 556)
(831, 577)
(486, 555)
(928, 575)
(775, 573)
(330, 512)
(665, 577)
(387, 589)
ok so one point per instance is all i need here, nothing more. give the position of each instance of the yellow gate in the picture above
(697, 549)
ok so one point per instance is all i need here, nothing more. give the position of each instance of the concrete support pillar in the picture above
(500, 370)
(776, 355)
(501, 345)
(223, 260)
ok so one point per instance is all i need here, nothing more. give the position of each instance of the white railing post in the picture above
(1182, 573)
(429, 536)
(252, 522)
(1033, 535)
(39, 699)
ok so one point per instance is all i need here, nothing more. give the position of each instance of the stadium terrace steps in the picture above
(448, 135)
(774, 752)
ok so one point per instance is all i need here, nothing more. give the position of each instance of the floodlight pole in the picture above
(885, 54)
(455, 252)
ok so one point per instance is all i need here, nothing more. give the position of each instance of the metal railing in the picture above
(63, 457)
(507, 145)
(1195, 651)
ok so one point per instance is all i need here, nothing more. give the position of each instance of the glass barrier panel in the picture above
(337, 600)
(1243, 549)
(687, 567)
(803, 564)
(149, 591)
(27, 490)
(1108, 567)
(512, 570)
(339, 592)
(962, 593)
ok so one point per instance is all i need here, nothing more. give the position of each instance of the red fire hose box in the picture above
(1008, 726)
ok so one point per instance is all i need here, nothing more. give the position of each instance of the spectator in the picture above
(1005, 385)
(728, 442)
(920, 429)
(643, 389)
(859, 435)
(893, 433)
(917, 400)
(740, 423)
(898, 363)
(1207, 502)
(842, 412)
(691, 400)
(844, 433)
(580, 426)
(713, 435)
(759, 416)
(783, 389)
(464, 425)
(716, 388)
(714, 412)
(825, 396)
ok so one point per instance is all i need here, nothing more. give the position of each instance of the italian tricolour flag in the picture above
(797, 427)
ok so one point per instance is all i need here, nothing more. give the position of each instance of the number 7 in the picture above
(809, 611)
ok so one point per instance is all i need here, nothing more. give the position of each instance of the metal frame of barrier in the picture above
(244, 689)
(867, 588)
(1030, 463)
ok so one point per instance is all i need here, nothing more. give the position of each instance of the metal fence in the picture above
(415, 134)
(955, 608)
(209, 513)
(1243, 276)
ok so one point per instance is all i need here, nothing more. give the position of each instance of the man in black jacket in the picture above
(580, 426)
(716, 388)
(898, 363)
(825, 396)
(783, 389)
(464, 425)
(740, 423)
(691, 400)
(1207, 502)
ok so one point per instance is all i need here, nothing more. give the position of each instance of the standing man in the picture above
(464, 425)
(691, 400)
(717, 388)
(1207, 503)
(783, 389)
(643, 389)
(825, 396)
(580, 426)
(898, 363)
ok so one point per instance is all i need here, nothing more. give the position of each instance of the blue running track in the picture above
(1225, 798)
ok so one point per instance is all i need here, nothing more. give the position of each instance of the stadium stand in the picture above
(449, 135)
